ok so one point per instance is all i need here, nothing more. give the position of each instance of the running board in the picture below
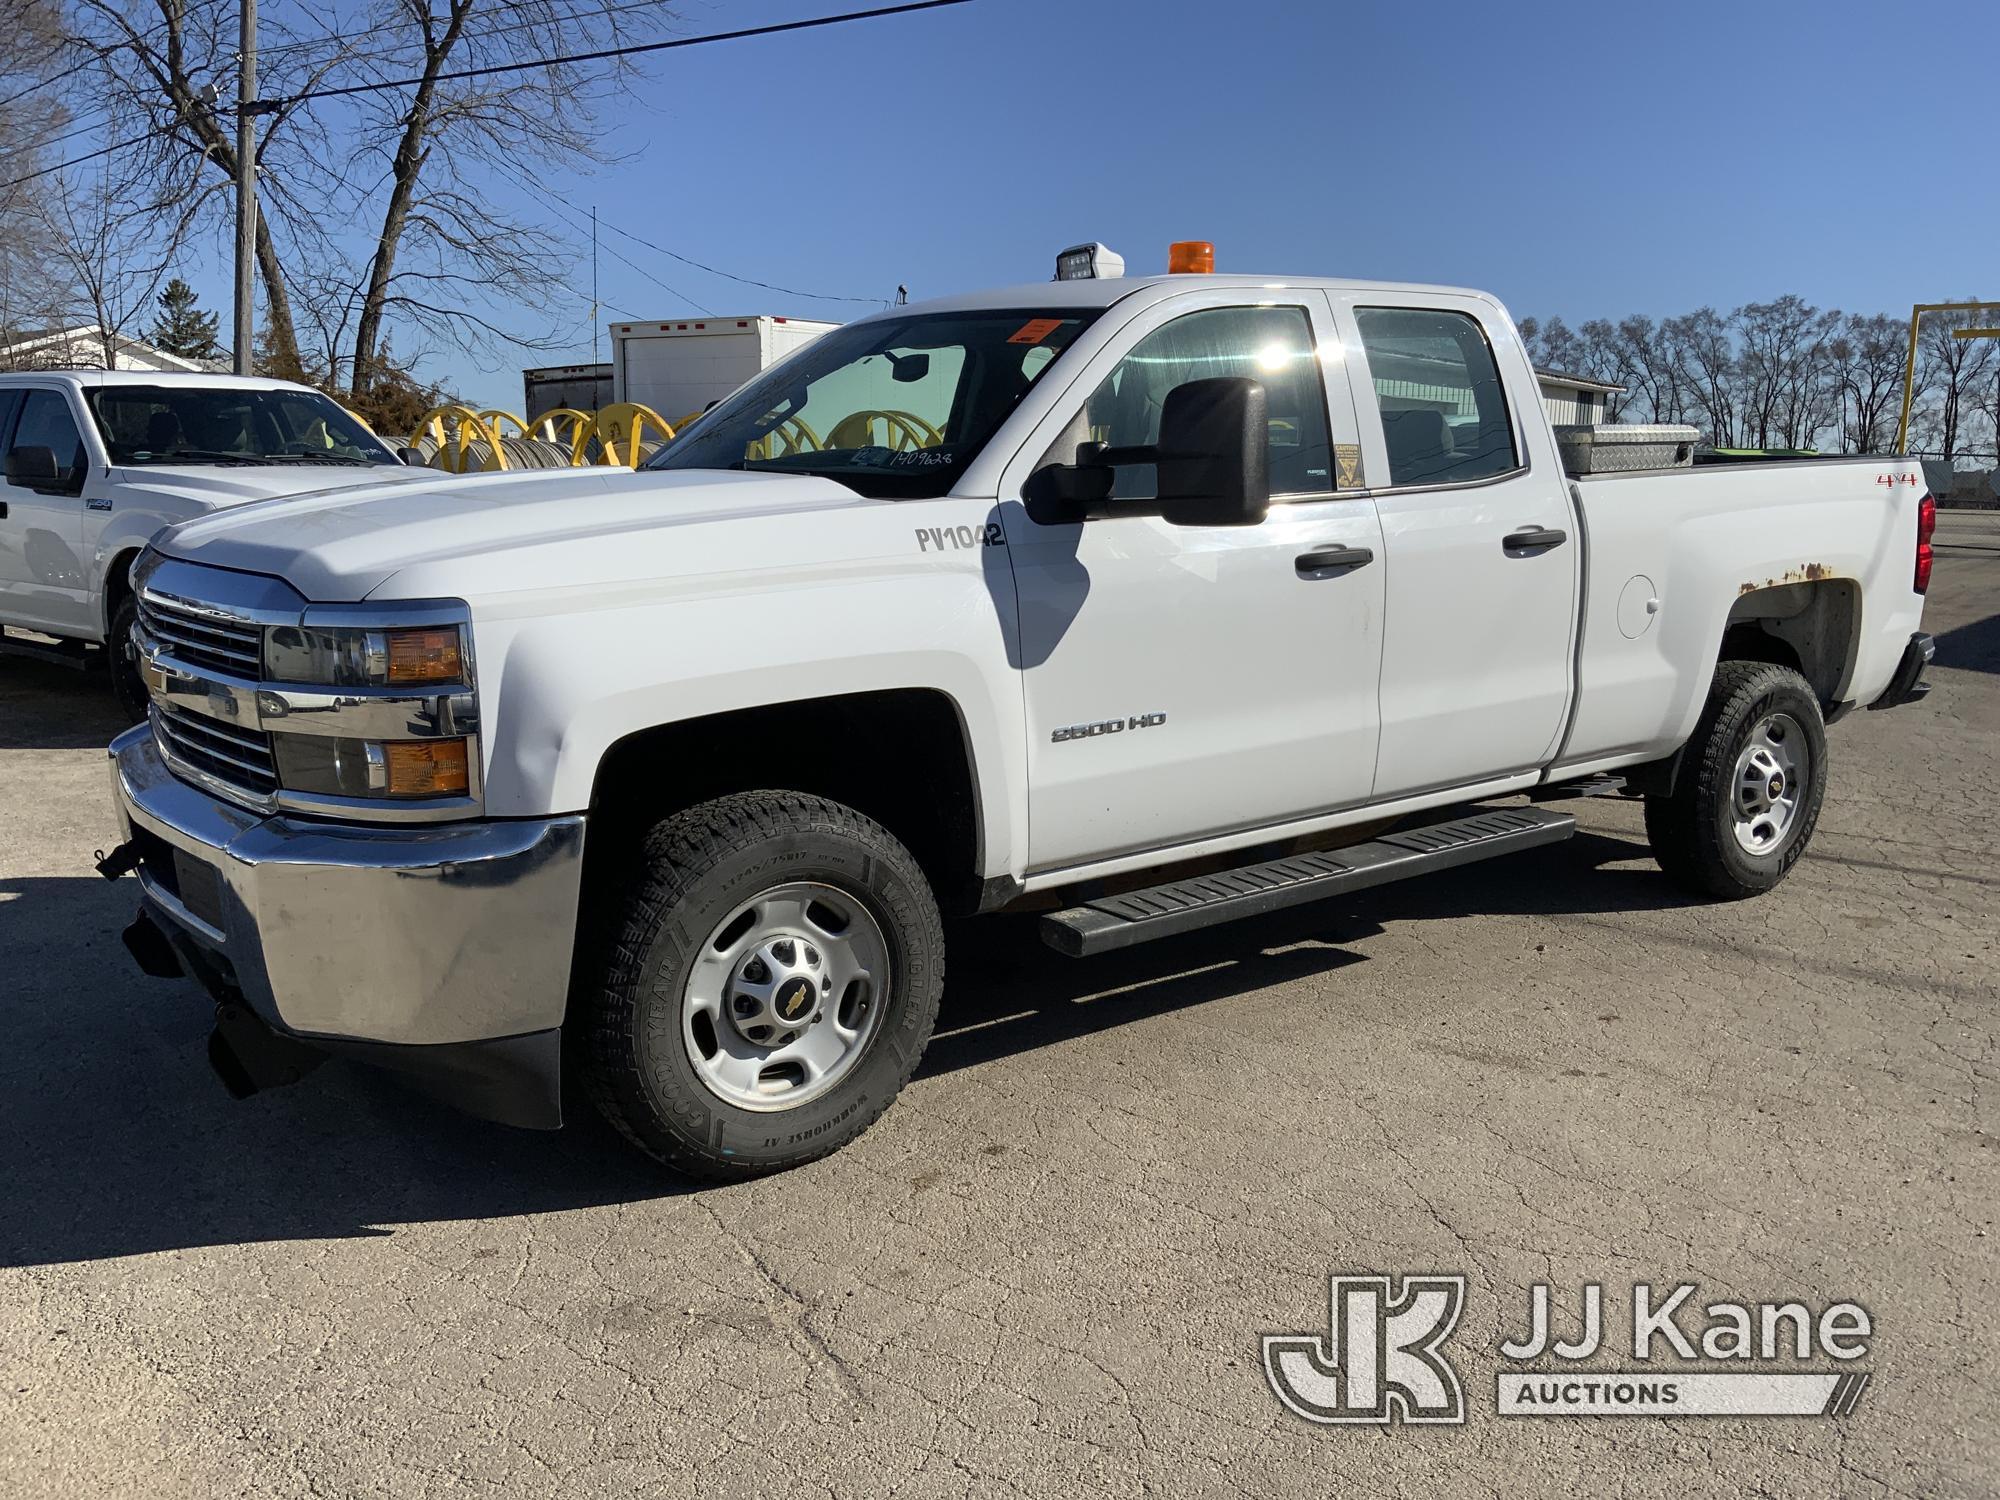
(60, 653)
(1251, 890)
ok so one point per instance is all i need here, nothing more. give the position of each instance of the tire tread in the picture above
(1686, 838)
(674, 855)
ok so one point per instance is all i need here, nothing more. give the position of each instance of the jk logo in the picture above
(1382, 1361)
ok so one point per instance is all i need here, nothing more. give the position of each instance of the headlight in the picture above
(335, 765)
(351, 656)
(374, 704)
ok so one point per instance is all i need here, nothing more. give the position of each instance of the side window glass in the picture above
(1444, 410)
(46, 423)
(1268, 344)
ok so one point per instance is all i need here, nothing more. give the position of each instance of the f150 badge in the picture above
(1104, 727)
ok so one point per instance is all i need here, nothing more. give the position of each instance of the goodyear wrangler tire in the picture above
(1751, 782)
(770, 989)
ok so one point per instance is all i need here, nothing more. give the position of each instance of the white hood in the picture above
(219, 485)
(342, 545)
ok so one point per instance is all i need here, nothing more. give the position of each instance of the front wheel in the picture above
(1751, 782)
(770, 988)
(122, 655)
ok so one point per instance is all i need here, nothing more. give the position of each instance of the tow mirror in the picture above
(1211, 464)
(1214, 455)
(33, 467)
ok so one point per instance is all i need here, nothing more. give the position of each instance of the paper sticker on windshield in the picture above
(1035, 330)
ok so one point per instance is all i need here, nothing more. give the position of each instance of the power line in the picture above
(592, 13)
(731, 276)
(77, 161)
(675, 291)
(267, 106)
(96, 119)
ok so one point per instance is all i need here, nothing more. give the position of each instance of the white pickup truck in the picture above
(1126, 600)
(96, 461)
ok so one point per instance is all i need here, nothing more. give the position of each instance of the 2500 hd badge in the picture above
(1105, 726)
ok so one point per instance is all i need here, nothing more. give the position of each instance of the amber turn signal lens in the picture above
(427, 768)
(1191, 258)
(425, 656)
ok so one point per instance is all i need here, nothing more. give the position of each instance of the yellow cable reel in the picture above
(793, 435)
(619, 428)
(901, 431)
(566, 425)
(454, 429)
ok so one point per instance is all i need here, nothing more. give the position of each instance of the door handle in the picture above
(1323, 558)
(1533, 539)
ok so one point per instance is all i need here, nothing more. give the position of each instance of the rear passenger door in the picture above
(1483, 550)
(43, 583)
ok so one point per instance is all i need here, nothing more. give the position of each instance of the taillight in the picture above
(1926, 529)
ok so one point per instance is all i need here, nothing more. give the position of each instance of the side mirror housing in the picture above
(1214, 453)
(412, 457)
(33, 467)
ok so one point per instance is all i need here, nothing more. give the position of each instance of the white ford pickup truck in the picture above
(96, 461)
(1124, 600)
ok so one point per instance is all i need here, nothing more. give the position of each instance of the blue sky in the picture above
(1586, 159)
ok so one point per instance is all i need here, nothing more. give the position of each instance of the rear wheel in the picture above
(772, 984)
(122, 655)
(1751, 782)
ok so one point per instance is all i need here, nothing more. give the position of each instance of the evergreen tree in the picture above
(181, 328)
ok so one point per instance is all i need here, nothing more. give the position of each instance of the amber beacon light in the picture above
(1191, 258)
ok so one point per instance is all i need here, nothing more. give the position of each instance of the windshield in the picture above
(203, 424)
(893, 408)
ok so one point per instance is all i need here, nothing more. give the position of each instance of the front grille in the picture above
(235, 648)
(239, 757)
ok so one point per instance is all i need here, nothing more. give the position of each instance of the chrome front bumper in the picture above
(408, 934)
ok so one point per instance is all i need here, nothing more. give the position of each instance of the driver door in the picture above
(1183, 683)
(43, 583)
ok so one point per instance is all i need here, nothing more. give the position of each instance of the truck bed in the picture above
(1675, 557)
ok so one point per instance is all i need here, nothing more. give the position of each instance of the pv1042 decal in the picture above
(1105, 726)
(949, 538)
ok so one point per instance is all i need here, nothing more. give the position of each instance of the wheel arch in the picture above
(902, 756)
(1813, 627)
(117, 587)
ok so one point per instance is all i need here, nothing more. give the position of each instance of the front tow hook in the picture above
(119, 861)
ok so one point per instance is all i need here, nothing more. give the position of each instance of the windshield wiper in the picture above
(198, 456)
(317, 458)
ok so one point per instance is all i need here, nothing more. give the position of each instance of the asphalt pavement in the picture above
(1048, 1269)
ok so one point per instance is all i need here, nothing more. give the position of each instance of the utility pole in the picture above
(246, 186)
(594, 320)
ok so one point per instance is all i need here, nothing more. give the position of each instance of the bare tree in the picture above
(1706, 355)
(115, 259)
(1957, 370)
(1788, 395)
(33, 288)
(409, 167)
(1867, 358)
(1651, 370)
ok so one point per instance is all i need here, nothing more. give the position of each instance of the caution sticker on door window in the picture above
(1035, 330)
(1347, 459)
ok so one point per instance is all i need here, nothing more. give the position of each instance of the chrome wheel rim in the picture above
(1773, 771)
(785, 996)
